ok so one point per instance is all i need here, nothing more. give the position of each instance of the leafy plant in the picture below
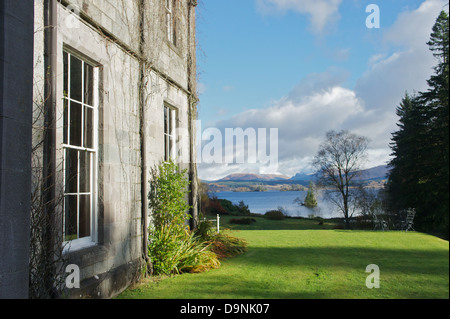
(205, 229)
(274, 215)
(172, 247)
(167, 197)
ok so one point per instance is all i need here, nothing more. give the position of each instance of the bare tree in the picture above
(46, 258)
(338, 163)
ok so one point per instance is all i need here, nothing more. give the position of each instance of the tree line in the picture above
(419, 169)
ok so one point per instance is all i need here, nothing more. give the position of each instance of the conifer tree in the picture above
(310, 199)
(408, 145)
(436, 100)
(420, 165)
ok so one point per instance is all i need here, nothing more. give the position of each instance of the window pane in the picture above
(66, 74)
(88, 84)
(71, 174)
(75, 124)
(166, 128)
(78, 131)
(173, 123)
(75, 78)
(66, 120)
(85, 172)
(166, 148)
(85, 216)
(174, 31)
(171, 148)
(70, 218)
(169, 122)
(88, 127)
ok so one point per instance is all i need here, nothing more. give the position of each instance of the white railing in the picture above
(217, 220)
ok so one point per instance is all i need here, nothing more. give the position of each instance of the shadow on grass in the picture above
(394, 260)
(251, 289)
(262, 223)
(316, 273)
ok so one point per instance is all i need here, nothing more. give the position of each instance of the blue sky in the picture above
(309, 66)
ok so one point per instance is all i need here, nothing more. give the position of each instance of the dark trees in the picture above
(420, 148)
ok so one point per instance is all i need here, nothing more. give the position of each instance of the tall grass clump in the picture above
(222, 244)
(226, 246)
(172, 247)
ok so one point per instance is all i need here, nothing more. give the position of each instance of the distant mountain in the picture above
(372, 174)
(375, 173)
(254, 177)
(303, 177)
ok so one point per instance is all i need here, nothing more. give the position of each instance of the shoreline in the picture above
(221, 188)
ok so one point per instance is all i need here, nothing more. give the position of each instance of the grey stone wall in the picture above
(119, 233)
(16, 89)
(121, 18)
(107, 33)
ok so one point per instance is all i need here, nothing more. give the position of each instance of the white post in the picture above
(218, 223)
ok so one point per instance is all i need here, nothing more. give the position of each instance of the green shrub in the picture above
(205, 229)
(178, 255)
(215, 207)
(194, 256)
(172, 247)
(226, 207)
(242, 208)
(220, 244)
(274, 215)
(167, 196)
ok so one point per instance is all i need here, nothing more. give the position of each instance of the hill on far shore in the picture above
(374, 173)
(261, 182)
(253, 177)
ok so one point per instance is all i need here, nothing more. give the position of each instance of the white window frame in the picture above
(170, 132)
(92, 239)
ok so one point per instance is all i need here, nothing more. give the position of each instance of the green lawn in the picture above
(296, 259)
(285, 224)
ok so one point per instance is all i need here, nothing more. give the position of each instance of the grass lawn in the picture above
(293, 259)
(285, 224)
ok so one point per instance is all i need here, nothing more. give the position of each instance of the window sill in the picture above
(77, 245)
(173, 47)
(87, 255)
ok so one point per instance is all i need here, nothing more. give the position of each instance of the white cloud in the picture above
(302, 121)
(374, 59)
(320, 102)
(390, 76)
(302, 118)
(412, 29)
(321, 12)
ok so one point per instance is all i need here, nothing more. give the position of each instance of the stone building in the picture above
(114, 94)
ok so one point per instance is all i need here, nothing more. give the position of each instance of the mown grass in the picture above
(285, 224)
(293, 259)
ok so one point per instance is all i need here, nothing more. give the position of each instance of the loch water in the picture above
(261, 202)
